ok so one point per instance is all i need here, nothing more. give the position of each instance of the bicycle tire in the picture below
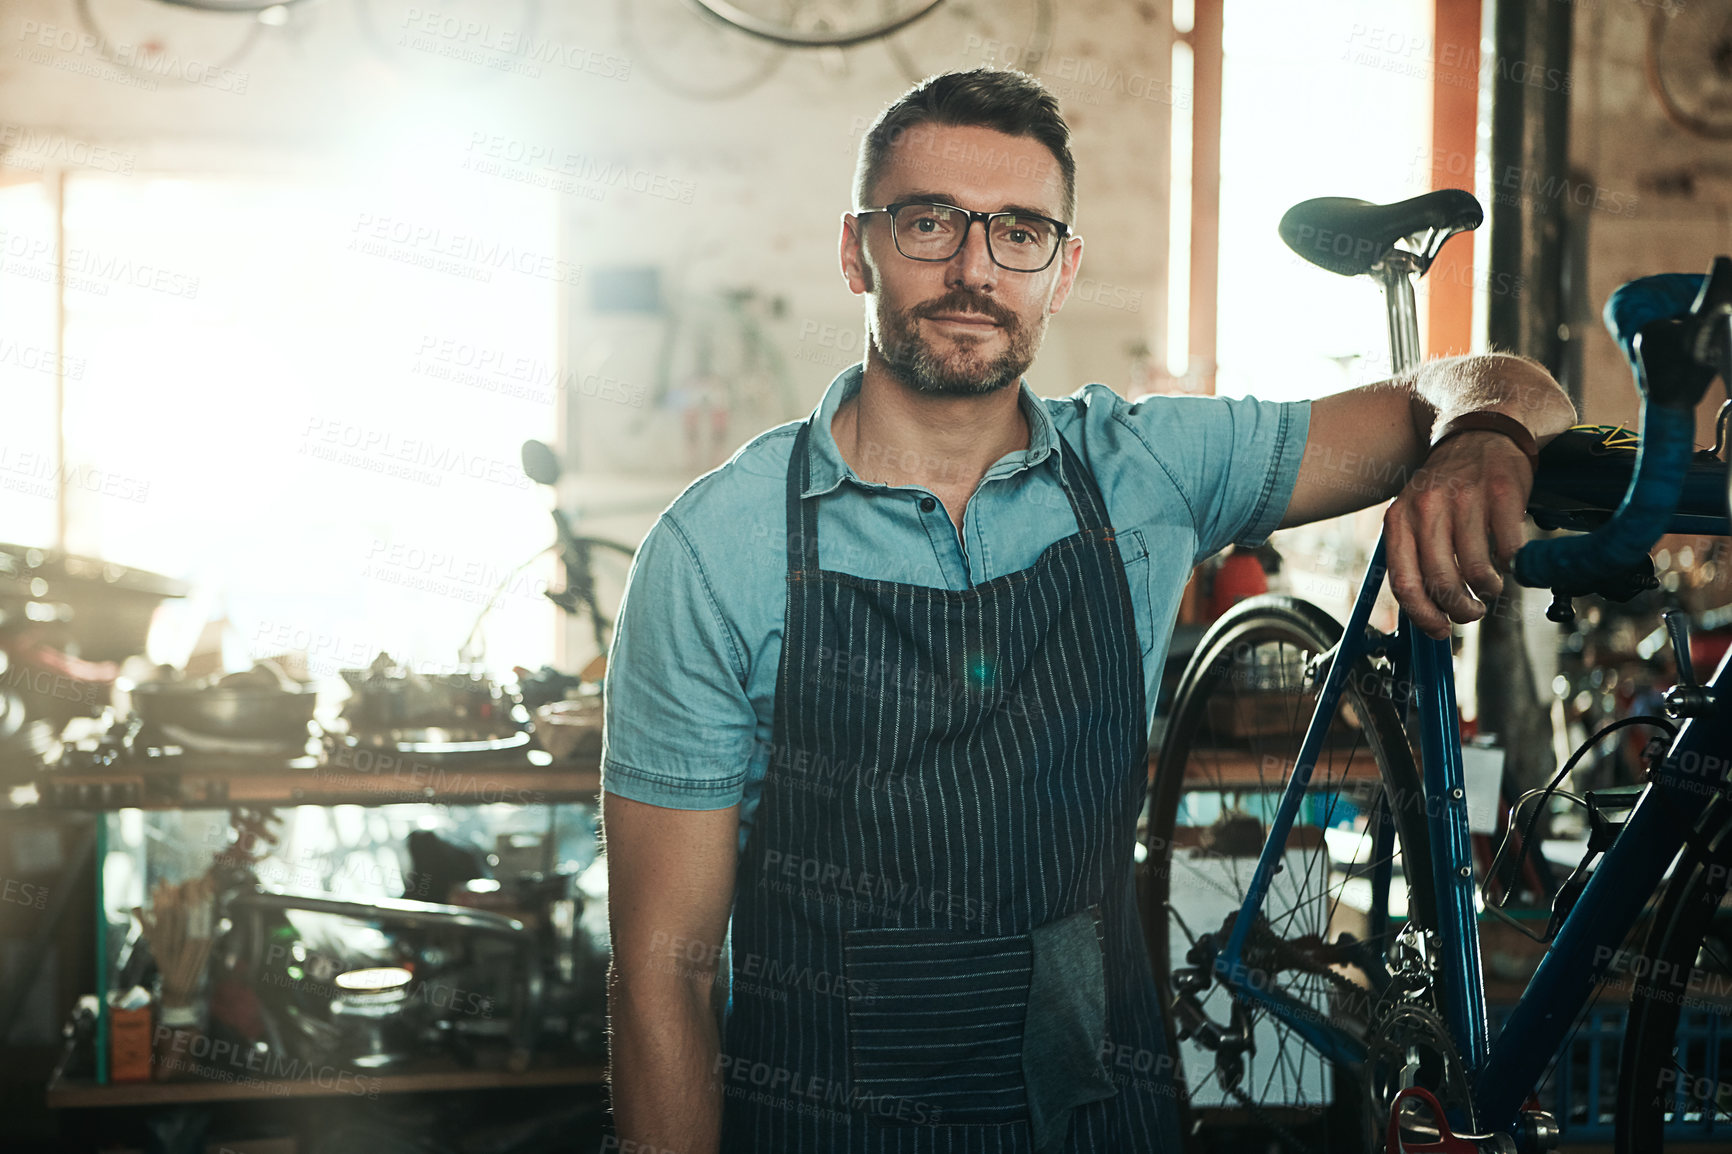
(744, 62)
(1684, 968)
(1230, 661)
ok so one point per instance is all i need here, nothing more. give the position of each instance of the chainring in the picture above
(1409, 1045)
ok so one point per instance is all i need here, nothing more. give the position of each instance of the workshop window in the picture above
(28, 356)
(308, 398)
(1331, 98)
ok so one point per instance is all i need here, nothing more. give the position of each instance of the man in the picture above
(881, 687)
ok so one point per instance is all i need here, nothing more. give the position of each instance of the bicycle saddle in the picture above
(1350, 237)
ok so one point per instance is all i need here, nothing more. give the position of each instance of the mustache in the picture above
(961, 300)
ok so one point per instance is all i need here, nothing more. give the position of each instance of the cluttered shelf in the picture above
(302, 889)
(258, 739)
(438, 1076)
(258, 952)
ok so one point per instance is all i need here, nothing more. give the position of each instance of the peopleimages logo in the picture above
(473, 257)
(517, 375)
(796, 1091)
(1418, 55)
(416, 458)
(752, 972)
(1077, 79)
(463, 38)
(24, 894)
(582, 174)
(42, 42)
(32, 149)
(90, 269)
(1510, 183)
(831, 884)
(37, 474)
(220, 1060)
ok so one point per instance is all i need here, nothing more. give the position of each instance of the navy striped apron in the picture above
(935, 944)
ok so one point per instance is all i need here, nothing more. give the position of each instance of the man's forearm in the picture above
(1514, 386)
(664, 1045)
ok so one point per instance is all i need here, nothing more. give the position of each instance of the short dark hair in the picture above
(1013, 103)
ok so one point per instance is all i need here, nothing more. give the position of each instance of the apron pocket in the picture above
(1067, 1025)
(935, 1026)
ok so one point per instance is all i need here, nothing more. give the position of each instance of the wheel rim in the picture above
(1675, 1070)
(1235, 727)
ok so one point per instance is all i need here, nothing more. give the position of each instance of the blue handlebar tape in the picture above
(1572, 564)
(1652, 298)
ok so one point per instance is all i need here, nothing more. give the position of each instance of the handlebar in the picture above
(1640, 303)
(1575, 565)
(1673, 331)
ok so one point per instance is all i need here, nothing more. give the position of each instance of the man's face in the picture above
(964, 326)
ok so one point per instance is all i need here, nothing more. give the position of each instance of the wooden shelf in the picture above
(77, 1094)
(515, 784)
(399, 778)
(1243, 769)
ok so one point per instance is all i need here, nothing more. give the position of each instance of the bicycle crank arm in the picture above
(1438, 1138)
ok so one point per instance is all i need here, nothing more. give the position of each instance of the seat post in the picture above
(1433, 672)
(1396, 271)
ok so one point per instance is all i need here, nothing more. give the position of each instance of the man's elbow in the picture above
(672, 969)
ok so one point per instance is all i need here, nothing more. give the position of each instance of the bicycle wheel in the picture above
(1675, 1070)
(1235, 730)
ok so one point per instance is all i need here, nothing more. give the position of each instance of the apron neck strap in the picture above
(802, 515)
(1079, 486)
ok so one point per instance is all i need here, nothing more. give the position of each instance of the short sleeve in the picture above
(1253, 483)
(1233, 460)
(678, 727)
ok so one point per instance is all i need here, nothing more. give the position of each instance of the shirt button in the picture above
(927, 504)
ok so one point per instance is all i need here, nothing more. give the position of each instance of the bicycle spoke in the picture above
(1375, 818)
(1299, 1074)
(1685, 1078)
(1329, 816)
(1274, 1066)
(1230, 755)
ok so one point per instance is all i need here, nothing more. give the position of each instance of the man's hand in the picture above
(1455, 526)
(1457, 516)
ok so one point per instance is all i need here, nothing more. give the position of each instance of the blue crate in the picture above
(1581, 1090)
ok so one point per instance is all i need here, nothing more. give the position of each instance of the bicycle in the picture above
(1308, 895)
(595, 571)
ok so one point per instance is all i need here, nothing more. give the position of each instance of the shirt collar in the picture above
(829, 470)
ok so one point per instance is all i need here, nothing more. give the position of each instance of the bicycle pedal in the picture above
(1431, 1134)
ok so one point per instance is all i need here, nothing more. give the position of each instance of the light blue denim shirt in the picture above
(691, 676)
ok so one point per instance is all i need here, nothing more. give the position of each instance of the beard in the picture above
(964, 371)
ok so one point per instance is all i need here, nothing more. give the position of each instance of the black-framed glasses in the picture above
(1018, 241)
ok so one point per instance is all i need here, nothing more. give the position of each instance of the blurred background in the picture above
(312, 273)
(285, 288)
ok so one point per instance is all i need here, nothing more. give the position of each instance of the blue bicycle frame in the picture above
(1505, 1071)
(1432, 676)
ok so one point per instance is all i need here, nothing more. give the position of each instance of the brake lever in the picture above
(1711, 320)
(1664, 354)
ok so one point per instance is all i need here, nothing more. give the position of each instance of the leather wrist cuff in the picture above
(1490, 421)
